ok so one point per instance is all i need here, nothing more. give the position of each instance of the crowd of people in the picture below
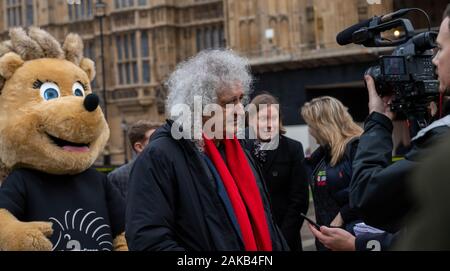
(229, 179)
(230, 194)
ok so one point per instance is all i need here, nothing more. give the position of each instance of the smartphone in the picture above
(317, 226)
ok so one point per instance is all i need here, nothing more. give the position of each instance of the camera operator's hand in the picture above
(376, 103)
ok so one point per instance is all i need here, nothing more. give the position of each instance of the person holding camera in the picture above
(428, 227)
(386, 193)
(380, 189)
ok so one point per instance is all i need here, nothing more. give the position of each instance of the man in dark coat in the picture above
(285, 177)
(380, 189)
(138, 134)
(283, 168)
(184, 191)
(428, 228)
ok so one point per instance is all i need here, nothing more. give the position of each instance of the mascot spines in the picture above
(51, 132)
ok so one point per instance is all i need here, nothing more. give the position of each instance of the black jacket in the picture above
(173, 202)
(285, 176)
(87, 198)
(428, 228)
(330, 185)
(379, 189)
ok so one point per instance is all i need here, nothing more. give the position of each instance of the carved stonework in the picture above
(274, 34)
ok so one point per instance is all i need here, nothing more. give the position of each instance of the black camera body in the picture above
(409, 75)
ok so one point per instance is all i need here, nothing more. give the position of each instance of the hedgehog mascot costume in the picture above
(51, 132)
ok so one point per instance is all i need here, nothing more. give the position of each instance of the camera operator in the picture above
(428, 229)
(380, 189)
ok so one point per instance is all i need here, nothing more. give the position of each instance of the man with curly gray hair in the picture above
(201, 192)
(213, 83)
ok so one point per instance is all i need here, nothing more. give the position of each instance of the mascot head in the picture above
(49, 118)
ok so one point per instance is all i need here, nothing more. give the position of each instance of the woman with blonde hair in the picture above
(331, 164)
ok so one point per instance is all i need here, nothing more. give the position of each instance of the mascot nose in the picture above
(91, 102)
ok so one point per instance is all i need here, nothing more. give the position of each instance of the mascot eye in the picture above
(49, 91)
(78, 89)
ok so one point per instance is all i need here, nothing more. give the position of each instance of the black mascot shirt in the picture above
(86, 210)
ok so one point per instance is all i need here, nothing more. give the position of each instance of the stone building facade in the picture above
(143, 40)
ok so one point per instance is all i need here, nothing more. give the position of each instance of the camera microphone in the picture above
(346, 36)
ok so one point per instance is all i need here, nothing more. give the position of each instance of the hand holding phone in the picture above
(317, 226)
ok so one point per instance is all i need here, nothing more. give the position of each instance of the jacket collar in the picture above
(439, 123)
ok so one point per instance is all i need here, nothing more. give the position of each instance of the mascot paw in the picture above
(28, 236)
(120, 243)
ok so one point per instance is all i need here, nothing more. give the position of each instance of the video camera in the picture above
(408, 74)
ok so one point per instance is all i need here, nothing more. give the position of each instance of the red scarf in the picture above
(243, 192)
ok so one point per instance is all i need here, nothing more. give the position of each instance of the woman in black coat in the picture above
(331, 164)
(283, 169)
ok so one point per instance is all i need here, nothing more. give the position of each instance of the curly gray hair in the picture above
(205, 75)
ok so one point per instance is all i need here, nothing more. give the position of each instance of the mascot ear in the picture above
(9, 63)
(88, 66)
